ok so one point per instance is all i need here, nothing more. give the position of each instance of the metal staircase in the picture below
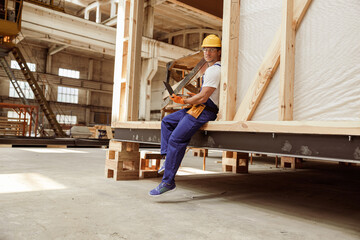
(39, 96)
(18, 90)
(13, 81)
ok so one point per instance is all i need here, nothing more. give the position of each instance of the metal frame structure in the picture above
(22, 110)
(314, 146)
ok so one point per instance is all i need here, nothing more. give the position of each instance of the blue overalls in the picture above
(176, 132)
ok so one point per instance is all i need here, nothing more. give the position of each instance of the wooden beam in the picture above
(267, 69)
(229, 60)
(149, 66)
(148, 25)
(184, 5)
(55, 49)
(287, 62)
(120, 61)
(133, 71)
(167, 12)
(348, 128)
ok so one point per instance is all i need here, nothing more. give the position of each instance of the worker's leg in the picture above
(179, 140)
(168, 124)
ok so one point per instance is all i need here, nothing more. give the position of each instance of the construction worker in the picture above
(178, 127)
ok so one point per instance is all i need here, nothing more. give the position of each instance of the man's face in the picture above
(211, 54)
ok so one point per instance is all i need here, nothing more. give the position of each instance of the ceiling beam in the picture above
(153, 3)
(70, 31)
(55, 49)
(184, 5)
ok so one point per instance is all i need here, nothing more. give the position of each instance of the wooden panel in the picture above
(267, 69)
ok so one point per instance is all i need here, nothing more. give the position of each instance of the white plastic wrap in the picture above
(327, 59)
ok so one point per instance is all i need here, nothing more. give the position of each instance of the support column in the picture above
(148, 66)
(87, 14)
(133, 73)
(98, 13)
(88, 92)
(149, 69)
(112, 9)
(120, 62)
(48, 62)
(88, 110)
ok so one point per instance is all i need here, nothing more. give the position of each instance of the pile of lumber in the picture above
(101, 131)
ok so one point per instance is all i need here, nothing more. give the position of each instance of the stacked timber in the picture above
(101, 131)
(12, 126)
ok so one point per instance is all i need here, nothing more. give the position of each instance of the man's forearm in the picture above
(196, 99)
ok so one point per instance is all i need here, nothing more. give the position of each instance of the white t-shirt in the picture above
(212, 78)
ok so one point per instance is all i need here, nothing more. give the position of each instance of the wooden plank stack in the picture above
(12, 126)
(99, 130)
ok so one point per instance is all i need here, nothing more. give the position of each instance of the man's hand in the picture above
(177, 99)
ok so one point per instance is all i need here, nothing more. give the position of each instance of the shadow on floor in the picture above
(326, 193)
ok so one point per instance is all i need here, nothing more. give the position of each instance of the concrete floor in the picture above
(62, 194)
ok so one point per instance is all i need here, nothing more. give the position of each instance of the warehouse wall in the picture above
(92, 111)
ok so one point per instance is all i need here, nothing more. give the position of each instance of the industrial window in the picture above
(25, 89)
(66, 119)
(69, 73)
(69, 95)
(13, 114)
(15, 65)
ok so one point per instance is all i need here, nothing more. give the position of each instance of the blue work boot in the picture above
(162, 188)
(162, 169)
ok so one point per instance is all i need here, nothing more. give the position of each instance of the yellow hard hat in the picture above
(211, 41)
